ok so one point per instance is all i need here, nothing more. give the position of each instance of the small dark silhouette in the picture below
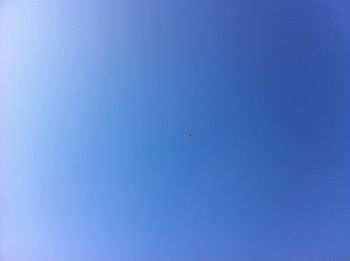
(189, 134)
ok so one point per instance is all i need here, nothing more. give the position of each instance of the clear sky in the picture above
(95, 101)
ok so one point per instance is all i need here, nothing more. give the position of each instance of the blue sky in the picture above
(96, 98)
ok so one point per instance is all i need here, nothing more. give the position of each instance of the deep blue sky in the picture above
(96, 99)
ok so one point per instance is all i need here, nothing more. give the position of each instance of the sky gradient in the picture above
(95, 101)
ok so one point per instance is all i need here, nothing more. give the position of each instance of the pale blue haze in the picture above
(96, 98)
